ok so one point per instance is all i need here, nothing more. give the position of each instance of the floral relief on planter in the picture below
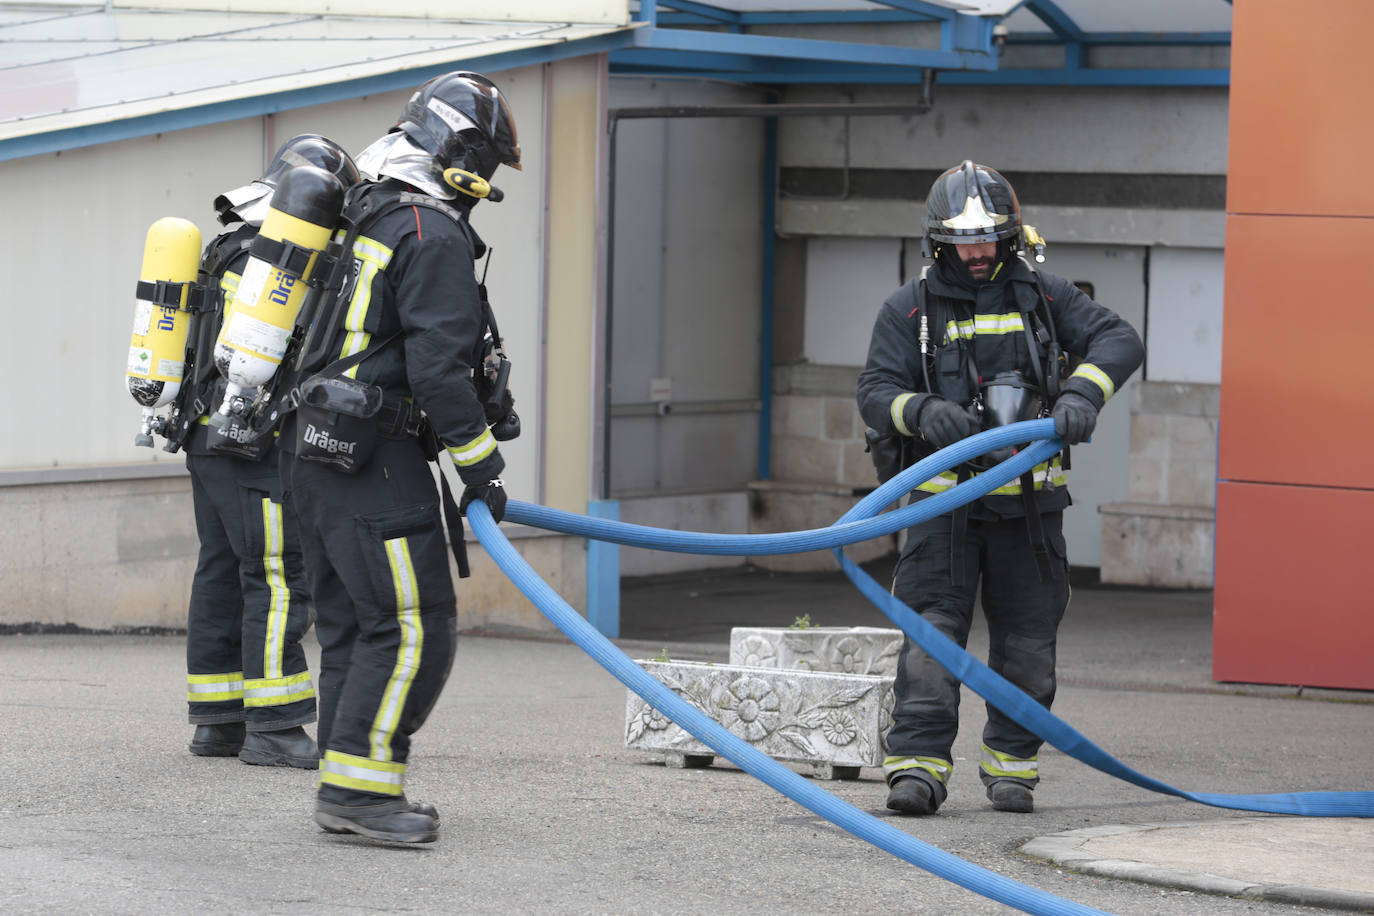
(789, 715)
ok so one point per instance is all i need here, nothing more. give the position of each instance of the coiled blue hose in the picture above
(859, 523)
(840, 534)
(746, 757)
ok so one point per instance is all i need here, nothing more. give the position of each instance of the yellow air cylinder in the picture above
(157, 349)
(260, 317)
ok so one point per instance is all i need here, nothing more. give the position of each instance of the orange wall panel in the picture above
(1300, 127)
(1294, 600)
(1297, 366)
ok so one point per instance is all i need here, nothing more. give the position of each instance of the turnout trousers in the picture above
(377, 562)
(249, 607)
(1023, 616)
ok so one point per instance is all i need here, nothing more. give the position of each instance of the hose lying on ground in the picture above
(752, 761)
(863, 521)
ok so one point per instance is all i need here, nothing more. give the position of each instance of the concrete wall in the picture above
(74, 260)
(119, 553)
(99, 532)
(1131, 183)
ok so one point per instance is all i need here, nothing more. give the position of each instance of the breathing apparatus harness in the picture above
(350, 413)
(198, 394)
(954, 360)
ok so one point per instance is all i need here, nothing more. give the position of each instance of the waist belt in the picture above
(398, 417)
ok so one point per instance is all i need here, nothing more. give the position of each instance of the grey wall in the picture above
(688, 256)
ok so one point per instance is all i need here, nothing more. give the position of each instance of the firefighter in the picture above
(248, 687)
(387, 384)
(981, 339)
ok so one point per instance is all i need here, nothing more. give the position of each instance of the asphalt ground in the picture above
(545, 811)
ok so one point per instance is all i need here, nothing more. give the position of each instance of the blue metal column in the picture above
(603, 574)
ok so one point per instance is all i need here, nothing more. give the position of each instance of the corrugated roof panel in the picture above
(69, 71)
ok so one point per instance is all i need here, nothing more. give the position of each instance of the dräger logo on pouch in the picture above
(285, 283)
(322, 440)
(241, 434)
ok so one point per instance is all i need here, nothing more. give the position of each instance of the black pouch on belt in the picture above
(336, 422)
(336, 417)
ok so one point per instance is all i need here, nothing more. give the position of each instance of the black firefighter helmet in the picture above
(250, 202)
(463, 121)
(971, 203)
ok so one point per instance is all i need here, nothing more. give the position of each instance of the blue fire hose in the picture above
(748, 758)
(861, 523)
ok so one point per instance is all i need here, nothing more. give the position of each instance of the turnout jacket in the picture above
(980, 334)
(414, 272)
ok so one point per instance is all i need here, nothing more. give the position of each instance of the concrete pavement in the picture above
(544, 810)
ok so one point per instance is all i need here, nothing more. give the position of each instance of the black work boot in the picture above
(912, 795)
(223, 740)
(397, 821)
(290, 747)
(1008, 795)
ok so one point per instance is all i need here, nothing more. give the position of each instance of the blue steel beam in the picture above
(777, 71)
(806, 17)
(1126, 38)
(942, 13)
(1048, 12)
(712, 13)
(814, 49)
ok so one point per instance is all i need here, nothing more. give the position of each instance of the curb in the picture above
(1066, 850)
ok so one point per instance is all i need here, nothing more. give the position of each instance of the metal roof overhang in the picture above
(722, 40)
(77, 76)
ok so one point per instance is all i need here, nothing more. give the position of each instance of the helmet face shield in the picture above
(972, 203)
(247, 204)
(395, 155)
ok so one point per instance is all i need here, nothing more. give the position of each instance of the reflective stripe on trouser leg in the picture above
(996, 765)
(932, 766)
(214, 688)
(407, 653)
(275, 688)
(214, 624)
(362, 774)
(377, 773)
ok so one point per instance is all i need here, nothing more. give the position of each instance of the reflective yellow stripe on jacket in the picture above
(1051, 470)
(372, 257)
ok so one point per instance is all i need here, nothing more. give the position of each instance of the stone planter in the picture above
(834, 722)
(846, 650)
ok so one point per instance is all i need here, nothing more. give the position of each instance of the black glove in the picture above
(493, 493)
(942, 422)
(1074, 418)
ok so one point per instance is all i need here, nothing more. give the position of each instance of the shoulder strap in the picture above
(361, 210)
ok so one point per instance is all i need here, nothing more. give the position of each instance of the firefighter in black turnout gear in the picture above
(388, 369)
(248, 687)
(979, 340)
